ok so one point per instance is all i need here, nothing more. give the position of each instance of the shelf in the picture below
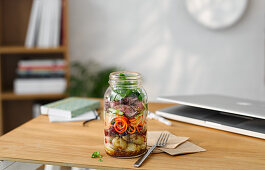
(25, 50)
(14, 20)
(13, 96)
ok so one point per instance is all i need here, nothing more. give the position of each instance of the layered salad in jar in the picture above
(125, 112)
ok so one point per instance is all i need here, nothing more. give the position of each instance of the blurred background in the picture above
(175, 54)
(57, 48)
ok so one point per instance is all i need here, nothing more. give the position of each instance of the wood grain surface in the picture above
(71, 144)
(13, 96)
(25, 50)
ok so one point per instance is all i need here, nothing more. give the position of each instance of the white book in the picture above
(86, 116)
(33, 26)
(42, 62)
(57, 23)
(49, 35)
(49, 16)
(39, 86)
(42, 37)
(51, 23)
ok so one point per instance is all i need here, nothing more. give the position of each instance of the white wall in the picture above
(159, 39)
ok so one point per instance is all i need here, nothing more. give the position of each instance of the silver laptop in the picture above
(226, 113)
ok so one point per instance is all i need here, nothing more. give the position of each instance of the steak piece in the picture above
(127, 110)
(133, 102)
(138, 106)
(114, 103)
(129, 100)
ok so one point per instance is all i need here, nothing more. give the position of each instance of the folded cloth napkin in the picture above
(175, 145)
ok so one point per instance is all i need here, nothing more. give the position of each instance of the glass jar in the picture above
(125, 115)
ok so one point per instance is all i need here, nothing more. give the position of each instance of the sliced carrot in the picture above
(137, 129)
(131, 130)
(120, 130)
(140, 126)
(121, 124)
(122, 117)
(136, 121)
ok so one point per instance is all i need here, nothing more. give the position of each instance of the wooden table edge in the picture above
(60, 163)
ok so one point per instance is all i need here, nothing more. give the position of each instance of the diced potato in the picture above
(138, 148)
(143, 146)
(126, 138)
(131, 147)
(119, 143)
(109, 148)
(137, 139)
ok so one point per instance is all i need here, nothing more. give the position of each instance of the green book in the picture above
(70, 107)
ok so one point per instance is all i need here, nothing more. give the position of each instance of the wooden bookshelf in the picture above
(24, 50)
(12, 96)
(14, 18)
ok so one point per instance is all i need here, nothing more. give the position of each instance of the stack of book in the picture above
(71, 109)
(40, 76)
(44, 28)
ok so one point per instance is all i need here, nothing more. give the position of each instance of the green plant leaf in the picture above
(88, 82)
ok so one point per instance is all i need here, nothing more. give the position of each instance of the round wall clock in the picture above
(216, 14)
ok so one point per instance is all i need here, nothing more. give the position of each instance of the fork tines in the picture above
(162, 140)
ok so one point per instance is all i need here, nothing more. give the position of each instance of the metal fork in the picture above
(161, 141)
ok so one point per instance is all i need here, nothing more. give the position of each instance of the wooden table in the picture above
(71, 144)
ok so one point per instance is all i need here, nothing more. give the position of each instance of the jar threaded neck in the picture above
(125, 79)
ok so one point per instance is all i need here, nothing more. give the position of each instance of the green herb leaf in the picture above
(123, 95)
(136, 117)
(140, 97)
(112, 96)
(122, 76)
(140, 94)
(100, 160)
(93, 154)
(128, 92)
(96, 155)
(118, 97)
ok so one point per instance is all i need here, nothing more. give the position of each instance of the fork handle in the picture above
(142, 159)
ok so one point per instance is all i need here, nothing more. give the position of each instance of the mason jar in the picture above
(125, 115)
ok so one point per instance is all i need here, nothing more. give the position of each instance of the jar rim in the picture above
(129, 75)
